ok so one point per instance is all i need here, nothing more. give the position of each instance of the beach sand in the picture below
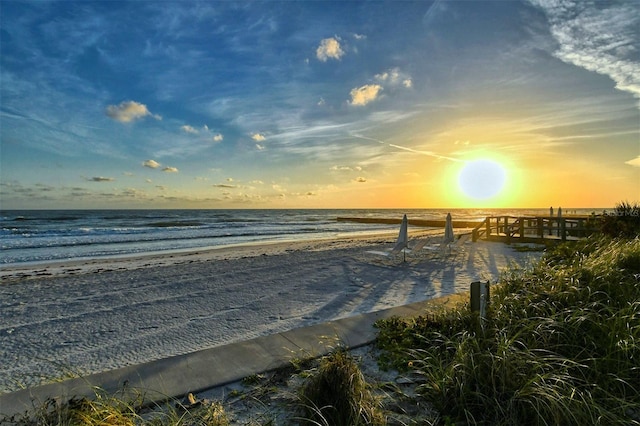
(80, 317)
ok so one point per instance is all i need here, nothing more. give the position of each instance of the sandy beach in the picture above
(80, 317)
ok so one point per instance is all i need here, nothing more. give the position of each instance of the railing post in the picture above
(522, 227)
(563, 228)
(540, 227)
(480, 297)
(488, 227)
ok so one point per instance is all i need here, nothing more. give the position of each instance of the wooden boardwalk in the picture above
(532, 228)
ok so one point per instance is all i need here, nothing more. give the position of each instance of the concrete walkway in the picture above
(209, 368)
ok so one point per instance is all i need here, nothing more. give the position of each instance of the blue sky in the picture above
(162, 104)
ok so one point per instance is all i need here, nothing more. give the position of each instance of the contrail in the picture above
(404, 148)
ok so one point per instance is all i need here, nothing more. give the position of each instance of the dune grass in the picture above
(560, 344)
(338, 394)
(119, 410)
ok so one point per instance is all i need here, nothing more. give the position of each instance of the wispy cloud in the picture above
(408, 149)
(100, 179)
(329, 49)
(189, 129)
(128, 111)
(635, 162)
(170, 170)
(395, 77)
(599, 37)
(338, 168)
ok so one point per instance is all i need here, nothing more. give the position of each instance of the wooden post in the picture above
(540, 227)
(488, 228)
(563, 228)
(522, 227)
(480, 297)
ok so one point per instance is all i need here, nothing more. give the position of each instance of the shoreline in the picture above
(73, 266)
(91, 317)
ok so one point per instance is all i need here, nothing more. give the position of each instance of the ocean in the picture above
(38, 236)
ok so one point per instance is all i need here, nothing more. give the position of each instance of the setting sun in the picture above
(482, 179)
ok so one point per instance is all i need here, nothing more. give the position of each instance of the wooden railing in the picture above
(506, 228)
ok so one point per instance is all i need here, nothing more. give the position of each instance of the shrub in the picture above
(624, 221)
(560, 345)
(339, 395)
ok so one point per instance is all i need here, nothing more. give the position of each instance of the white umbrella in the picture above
(448, 230)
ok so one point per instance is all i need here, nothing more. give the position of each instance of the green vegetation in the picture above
(624, 221)
(119, 410)
(560, 344)
(338, 394)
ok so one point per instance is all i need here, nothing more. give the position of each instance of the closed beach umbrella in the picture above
(448, 230)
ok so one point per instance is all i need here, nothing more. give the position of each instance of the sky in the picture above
(319, 104)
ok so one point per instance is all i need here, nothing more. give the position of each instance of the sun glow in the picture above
(482, 179)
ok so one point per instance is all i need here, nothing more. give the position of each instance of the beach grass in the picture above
(560, 344)
(338, 394)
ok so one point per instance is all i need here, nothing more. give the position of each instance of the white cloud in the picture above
(635, 162)
(365, 94)
(598, 37)
(218, 137)
(337, 168)
(152, 164)
(170, 170)
(129, 111)
(329, 49)
(260, 147)
(395, 77)
(258, 137)
(189, 129)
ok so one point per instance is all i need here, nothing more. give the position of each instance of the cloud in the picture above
(152, 164)
(218, 137)
(597, 37)
(129, 111)
(337, 168)
(189, 129)
(360, 179)
(260, 147)
(170, 170)
(329, 49)
(363, 95)
(101, 179)
(224, 185)
(395, 77)
(258, 137)
(635, 162)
